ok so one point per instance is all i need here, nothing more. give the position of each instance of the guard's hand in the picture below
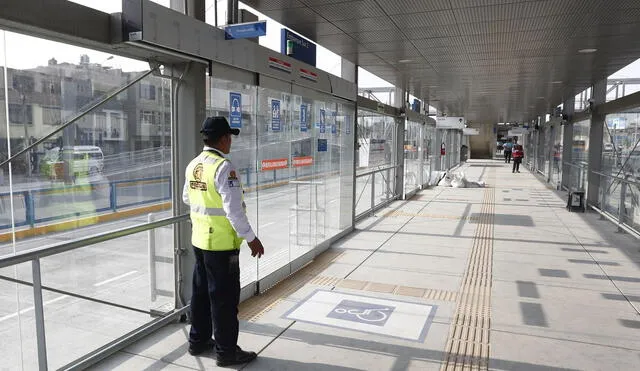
(256, 247)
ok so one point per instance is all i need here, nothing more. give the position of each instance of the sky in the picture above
(27, 52)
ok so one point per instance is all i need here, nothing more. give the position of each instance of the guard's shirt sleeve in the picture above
(229, 187)
(185, 192)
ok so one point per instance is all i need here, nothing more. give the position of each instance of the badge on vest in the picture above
(233, 180)
(198, 184)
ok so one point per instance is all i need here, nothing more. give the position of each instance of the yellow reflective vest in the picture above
(211, 230)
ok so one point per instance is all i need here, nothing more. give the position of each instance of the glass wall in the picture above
(620, 192)
(295, 158)
(413, 141)
(104, 163)
(375, 160)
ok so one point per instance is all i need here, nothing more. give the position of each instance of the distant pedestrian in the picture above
(508, 147)
(518, 155)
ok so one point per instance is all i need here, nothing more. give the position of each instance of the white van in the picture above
(87, 160)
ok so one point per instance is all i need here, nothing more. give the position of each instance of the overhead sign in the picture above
(274, 164)
(235, 110)
(415, 106)
(309, 75)
(245, 30)
(279, 64)
(450, 122)
(299, 47)
(334, 129)
(470, 131)
(514, 132)
(275, 115)
(322, 121)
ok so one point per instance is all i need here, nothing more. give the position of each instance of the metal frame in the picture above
(373, 207)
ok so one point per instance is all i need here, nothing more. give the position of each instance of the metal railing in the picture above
(619, 202)
(36, 255)
(386, 193)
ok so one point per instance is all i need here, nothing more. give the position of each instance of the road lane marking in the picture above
(27, 310)
(114, 278)
(268, 224)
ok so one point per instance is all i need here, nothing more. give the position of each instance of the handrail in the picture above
(59, 248)
(376, 171)
(623, 180)
(571, 164)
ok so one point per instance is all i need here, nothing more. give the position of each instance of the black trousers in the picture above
(516, 164)
(507, 156)
(215, 298)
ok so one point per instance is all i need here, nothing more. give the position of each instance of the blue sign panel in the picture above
(302, 49)
(245, 30)
(416, 105)
(322, 145)
(275, 115)
(303, 118)
(322, 121)
(334, 129)
(235, 110)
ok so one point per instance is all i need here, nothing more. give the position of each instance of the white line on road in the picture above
(27, 310)
(268, 224)
(114, 278)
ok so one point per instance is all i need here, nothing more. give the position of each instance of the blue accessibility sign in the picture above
(235, 110)
(322, 145)
(322, 121)
(303, 118)
(275, 115)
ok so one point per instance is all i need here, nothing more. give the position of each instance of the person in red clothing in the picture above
(518, 155)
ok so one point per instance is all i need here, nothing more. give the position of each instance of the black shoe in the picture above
(197, 349)
(240, 357)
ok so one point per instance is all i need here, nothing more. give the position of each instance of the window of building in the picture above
(19, 116)
(51, 115)
(147, 91)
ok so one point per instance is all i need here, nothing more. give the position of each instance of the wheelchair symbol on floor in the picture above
(367, 315)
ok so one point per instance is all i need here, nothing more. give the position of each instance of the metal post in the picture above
(603, 199)
(373, 191)
(39, 314)
(151, 244)
(621, 212)
(232, 11)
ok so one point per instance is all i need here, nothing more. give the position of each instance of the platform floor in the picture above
(500, 278)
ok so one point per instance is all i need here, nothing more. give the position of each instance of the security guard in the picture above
(219, 225)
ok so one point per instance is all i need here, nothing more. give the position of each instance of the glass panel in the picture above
(243, 155)
(412, 155)
(282, 201)
(363, 193)
(18, 347)
(580, 154)
(621, 158)
(556, 171)
(375, 141)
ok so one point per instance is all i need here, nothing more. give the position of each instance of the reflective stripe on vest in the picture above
(209, 211)
(211, 230)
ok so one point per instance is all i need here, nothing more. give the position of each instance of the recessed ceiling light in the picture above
(405, 60)
(541, 97)
(587, 50)
(556, 82)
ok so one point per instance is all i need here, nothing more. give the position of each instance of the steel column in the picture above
(596, 133)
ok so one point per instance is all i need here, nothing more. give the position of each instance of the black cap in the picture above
(217, 126)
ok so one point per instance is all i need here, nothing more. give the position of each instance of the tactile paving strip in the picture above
(468, 344)
(392, 214)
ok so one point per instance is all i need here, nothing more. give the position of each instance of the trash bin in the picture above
(575, 202)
